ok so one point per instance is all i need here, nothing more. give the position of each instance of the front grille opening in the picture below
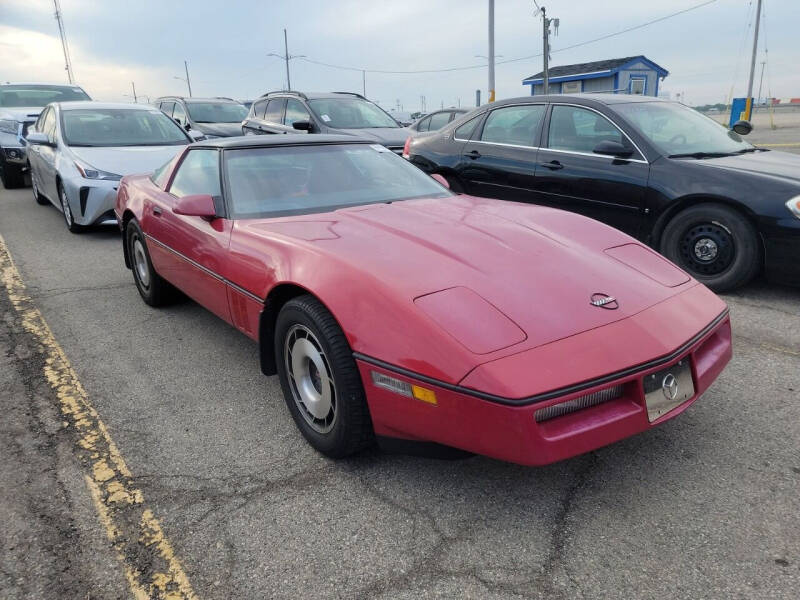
(570, 406)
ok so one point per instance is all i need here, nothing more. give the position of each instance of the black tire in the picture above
(41, 200)
(66, 210)
(153, 289)
(11, 175)
(716, 244)
(346, 428)
(455, 183)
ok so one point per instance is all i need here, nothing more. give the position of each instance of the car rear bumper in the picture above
(522, 433)
(782, 251)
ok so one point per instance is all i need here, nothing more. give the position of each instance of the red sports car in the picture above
(393, 308)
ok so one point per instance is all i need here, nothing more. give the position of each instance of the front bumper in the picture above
(91, 201)
(512, 433)
(782, 251)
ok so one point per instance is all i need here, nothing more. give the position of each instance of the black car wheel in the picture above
(12, 175)
(320, 381)
(715, 244)
(153, 289)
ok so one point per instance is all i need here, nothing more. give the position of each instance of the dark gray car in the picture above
(214, 117)
(333, 113)
(438, 119)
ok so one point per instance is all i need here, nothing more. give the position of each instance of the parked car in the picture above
(78, 152)
(714, 204)
(391, 307)
(335, 113)
(436, 120)
(214, 117)
(20, 105)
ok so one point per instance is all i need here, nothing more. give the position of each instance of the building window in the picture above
(572, 87)
(638, 85)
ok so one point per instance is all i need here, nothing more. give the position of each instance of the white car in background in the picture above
(20, 105)
(78, 152)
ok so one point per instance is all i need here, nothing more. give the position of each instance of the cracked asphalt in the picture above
(706, 506)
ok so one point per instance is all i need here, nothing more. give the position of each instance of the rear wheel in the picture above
(11, 174)
(67, 210)
(153, 289)
(320, 381)
(715, 244)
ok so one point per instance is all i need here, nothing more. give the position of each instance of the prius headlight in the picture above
(89, 172)
(793, 205)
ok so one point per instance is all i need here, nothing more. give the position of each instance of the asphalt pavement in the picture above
(705, 506)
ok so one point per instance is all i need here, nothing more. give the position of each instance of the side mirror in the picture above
(37, 138)
(742, 127)
(197, 136)
(197, 205)
(441, 179)
(302, 125)
(609, 148)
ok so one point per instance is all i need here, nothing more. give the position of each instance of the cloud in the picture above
(27, 55)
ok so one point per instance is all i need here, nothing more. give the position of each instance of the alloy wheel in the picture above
(310, 378)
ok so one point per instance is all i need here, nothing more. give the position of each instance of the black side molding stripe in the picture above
(206, 270)
(553, 393)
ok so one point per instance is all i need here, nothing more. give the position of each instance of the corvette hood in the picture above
(525, 274)
(774, 163)
(128, 160)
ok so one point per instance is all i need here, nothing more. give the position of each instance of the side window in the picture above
(258, 109)
(424, 125)
(464, 132)
(166, 108)
(580, 130)
(517, 125)
(274, 112)
(161, 174)
(439, 120)
(39, 125)
(197, 174)
(49, 124)
(295, 111)
(179, 114)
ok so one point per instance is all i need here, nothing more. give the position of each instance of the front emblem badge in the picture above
(670, 387)
(604, 301)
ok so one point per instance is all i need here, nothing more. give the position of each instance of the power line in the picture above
(511, 60)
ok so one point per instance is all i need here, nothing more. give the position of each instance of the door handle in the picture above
(157, 211)
(553, 165)
(474, 154)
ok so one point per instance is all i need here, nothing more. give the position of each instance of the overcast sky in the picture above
(114, 42)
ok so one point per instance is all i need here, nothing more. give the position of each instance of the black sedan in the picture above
(714, 204)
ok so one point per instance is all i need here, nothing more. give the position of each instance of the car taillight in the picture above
(407, 148)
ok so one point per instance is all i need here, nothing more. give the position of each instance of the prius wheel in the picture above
(153, 289)
(320, 381)
(67, 210)
(715, 244)
(37, 195)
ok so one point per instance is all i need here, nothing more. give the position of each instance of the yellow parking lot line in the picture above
(148, 559)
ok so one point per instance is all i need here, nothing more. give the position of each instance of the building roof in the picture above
(578, 70)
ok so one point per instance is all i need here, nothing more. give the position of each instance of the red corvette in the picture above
(391, 307)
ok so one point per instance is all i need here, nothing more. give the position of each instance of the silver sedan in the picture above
(78, 152)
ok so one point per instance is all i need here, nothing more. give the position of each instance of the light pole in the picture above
(761, 81)
(749, 101)
(188, 83)
(491, 51)
(287, 57)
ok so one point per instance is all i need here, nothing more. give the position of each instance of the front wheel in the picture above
(67, 210)
(320, 381)
(153, 289)
(11, 175)
(717, 245)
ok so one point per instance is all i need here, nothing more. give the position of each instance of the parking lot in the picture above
(707, 505)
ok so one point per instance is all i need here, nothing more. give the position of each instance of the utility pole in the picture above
(749, 100)
(133, 87)
(286, 57)
(546, 45)
(491, 50)
(64, 45)
(761, 81)
(188, 83)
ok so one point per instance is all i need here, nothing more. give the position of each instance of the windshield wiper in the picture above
(700, 155)
(746, 150)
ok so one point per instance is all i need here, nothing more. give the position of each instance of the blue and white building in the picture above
(631, 75)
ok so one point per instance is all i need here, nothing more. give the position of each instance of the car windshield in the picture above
(292, 180)
(350, 113)
(216, 112)
(677, 129)
(15, 96)
(120, 127)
